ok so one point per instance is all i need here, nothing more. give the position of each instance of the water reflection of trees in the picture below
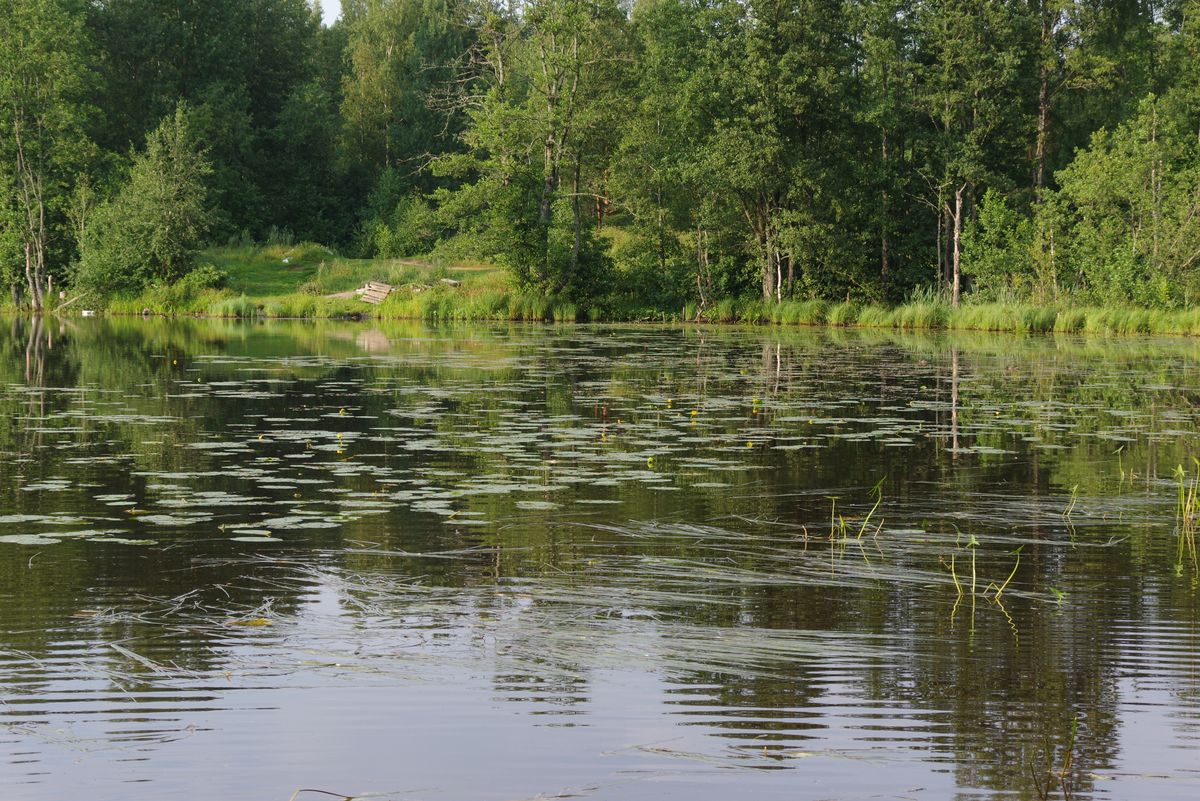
(986, 698)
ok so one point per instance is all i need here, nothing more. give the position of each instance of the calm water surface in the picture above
(494, 563)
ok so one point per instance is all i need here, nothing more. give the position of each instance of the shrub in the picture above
(151, 231)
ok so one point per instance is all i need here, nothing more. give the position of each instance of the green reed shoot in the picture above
(1072, 503)
(995, 591)
(1002, 587)
(1187, 512)
(973, 544)
(878, 492)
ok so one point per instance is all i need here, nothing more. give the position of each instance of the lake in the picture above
(490, 563)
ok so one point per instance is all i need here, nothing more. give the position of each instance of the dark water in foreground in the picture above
(495, 563)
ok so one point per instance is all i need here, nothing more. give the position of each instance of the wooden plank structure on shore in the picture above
(376, 292)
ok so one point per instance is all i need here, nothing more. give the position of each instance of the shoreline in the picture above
(455, 307)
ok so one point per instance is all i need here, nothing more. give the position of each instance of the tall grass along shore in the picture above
(310, 281)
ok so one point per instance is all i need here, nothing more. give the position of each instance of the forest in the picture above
(646, 154)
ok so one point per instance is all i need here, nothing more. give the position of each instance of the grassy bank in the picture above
(309, 281)
(932, 315)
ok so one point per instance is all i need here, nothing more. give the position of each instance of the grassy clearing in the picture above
(314, 284)
(312, 269)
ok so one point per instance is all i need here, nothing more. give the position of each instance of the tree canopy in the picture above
(653, 152)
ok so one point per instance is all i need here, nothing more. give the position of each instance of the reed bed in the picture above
(488, 296)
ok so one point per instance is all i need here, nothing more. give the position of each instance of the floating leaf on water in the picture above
(21, 518)
(536, 505)
(175, 520)
(254, 622)
(57, 485)
(88, 532)
(28, 539)
(293, 521)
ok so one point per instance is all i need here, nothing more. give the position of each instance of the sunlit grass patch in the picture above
(922, 315)
(240, 306)
(843, 313)
(799, 312)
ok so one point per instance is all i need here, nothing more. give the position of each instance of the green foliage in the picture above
(652, 270)
(997, 249)
(400, 52)
(409, 227)
(240, 306)
(206, 276)
(151, 231)
(45, 111)
(812, 312)
(548, 99)
(243, 65)
(11, 258)
(649, 160)
(845, 313)
(1130, 202)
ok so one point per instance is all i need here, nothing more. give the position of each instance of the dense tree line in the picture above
(656, 152)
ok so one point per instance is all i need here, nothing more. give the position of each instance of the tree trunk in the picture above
(662, 230)
(1043, 119)
(577, 211)
(549, 183)
(1155, 188)
(956, 282)
(945, 238)
(546, 206)
(34, 230)
(760, 223)
(943, 272)
(1039, 175)
(883, 219)
(778, 277)
(33, 278)
(768, 260)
